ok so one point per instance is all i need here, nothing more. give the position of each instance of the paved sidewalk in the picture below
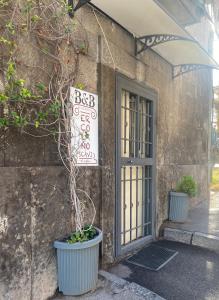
(112, 287)
(193, 274)
(202, 218)
(201, 228)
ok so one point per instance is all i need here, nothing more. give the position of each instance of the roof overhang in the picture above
(187, 12)
(154, 28)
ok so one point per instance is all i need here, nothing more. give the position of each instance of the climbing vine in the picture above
(38, 24)
(39, 60)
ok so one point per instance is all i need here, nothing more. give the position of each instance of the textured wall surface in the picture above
(182, 120)
(34, 212)
(34, 207)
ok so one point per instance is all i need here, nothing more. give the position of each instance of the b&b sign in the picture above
(84, 127)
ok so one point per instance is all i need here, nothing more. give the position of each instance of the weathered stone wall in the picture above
(34, 212)
(183, 110)
(34, 207)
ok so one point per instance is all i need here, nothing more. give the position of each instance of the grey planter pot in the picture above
(78, 266)
(178, 207)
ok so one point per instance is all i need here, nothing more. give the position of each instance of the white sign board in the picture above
(84, 127)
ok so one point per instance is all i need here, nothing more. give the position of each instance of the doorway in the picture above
(135, 166)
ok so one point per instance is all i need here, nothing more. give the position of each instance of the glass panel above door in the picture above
(129, 124)
(145, 128)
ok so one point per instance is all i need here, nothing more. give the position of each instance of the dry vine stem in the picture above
(43, 26)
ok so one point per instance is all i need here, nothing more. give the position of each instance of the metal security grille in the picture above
(136, 152)
(136, 184)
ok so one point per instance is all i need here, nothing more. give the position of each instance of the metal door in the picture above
(135, 164)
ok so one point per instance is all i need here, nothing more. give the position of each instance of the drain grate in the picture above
(152, 257)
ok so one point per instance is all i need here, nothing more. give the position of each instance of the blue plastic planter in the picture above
(178, 207)
(78, 266)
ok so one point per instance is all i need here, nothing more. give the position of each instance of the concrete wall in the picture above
(182, 111)
(33, 184)
(33, 203)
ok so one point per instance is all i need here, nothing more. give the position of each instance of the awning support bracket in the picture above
(182, 69)
(150, 41)
(73, 7)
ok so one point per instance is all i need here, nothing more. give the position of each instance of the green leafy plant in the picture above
(3, 97)
(41, 87)
(79, 86)
(3, 3)
(10, 27)
(187, 185)
(55, 108)
(35, 18)
(5, 41)
(87, 233)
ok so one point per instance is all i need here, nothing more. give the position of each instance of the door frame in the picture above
(123, 82)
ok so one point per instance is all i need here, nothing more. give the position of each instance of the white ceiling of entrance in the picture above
(145, 18)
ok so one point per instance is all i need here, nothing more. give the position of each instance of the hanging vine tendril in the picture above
(39, 62)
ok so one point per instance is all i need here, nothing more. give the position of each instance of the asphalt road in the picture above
(191, 275)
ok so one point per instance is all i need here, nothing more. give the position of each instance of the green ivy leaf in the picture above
(3, 98)
(37, 123)
(10, 70)
(4, 122)
(35, 18)
(80, 86)
(10, 26)
(25, 93)
(19, 82)
(5, 41)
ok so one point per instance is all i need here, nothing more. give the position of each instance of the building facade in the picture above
(153, 129)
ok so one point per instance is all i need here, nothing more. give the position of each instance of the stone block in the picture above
(23, 150)
(51, 220)
(15, 234)
(206, 241)
(128, 290)
(178, 235)
(52, 157)
(143, 292)
(35, 210)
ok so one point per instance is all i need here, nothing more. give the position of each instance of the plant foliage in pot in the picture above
(179, 199)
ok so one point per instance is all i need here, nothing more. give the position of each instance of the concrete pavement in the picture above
(191, 275)
(202, 218)
(201, 228)
(112, 287)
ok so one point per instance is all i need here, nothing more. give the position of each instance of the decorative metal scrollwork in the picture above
(150, 41)
(182, 69)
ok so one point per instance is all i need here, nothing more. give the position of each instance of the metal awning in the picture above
(154, 28)
(186, 12)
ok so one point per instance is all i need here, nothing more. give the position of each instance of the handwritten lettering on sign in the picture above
(84, 127)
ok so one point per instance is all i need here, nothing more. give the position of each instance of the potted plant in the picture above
(78, 253)
(78, 256)
(179, 199)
